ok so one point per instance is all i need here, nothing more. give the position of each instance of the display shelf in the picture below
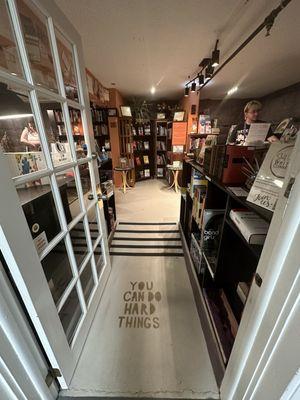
(255, 249)
(220, 275)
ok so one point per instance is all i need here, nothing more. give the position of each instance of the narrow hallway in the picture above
(146, 340)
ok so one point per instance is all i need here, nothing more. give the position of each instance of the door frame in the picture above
(269, 310)
(22, 365)
(15, 237)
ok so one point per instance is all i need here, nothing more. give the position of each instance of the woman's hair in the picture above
(253, 104)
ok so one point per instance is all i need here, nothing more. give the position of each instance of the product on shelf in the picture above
(198, 202)
(146, 159)
(147, 173)
(160, 172)
(253, 228)
(210, 236)
(196, 254)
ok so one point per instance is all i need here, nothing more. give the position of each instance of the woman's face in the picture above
(252, 114)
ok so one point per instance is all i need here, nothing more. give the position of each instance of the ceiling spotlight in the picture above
(152, 90)
(215, 58)
(193, 87)
(201, 79)
(204, 63)
(209, 72)
(232, 90)
(186, 91)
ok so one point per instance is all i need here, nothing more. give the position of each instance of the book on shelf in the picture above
(146, 145)
(242, 290)
(197, 180)
(140, 131)
(142, 174)
(198, 202)
(211, 234)
(147, 173)
(160, 172)
(138, 161)
(134, 146)
(161, 130)
(107, 145)
(146, 159)
(161, 159)
(253, 228)
(147, 129)
(195, 252)
(161, 145)
(133, 130)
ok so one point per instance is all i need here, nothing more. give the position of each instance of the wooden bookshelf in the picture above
(143, 149)
(162, 132)
(223, 272)
(126, 148)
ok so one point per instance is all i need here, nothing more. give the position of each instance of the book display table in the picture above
(124, 171)
(175, 170)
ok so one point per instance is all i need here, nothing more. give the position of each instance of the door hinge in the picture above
(53, 373)
(289, 188)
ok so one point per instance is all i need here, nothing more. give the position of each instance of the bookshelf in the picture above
(143, 145)
(100, 127)
(163, 135)
(126, 147)
(225, 276)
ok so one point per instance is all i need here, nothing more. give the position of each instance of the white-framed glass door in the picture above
(53, 232)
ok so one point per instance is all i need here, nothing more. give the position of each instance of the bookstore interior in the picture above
(225, 145)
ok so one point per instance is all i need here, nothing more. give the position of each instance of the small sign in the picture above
(269, 181)
(41, 242)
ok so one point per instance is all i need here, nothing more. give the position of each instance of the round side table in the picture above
(175, 171)
(124, 171)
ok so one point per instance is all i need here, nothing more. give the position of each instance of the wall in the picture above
(276, 106)
(115, 99)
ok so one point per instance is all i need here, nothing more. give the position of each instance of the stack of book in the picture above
(253, 228)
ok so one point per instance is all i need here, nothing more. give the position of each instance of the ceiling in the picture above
(137, 44)
(266, 64)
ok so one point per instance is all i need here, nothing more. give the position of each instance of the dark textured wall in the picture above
(276, 106)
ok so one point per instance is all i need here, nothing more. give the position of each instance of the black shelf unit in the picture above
(162, 147)
(143, 133)
(235, 260)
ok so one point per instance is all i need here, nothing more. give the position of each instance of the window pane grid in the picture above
(34, 91)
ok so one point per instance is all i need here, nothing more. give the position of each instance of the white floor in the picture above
(148, 201)
(151, 346)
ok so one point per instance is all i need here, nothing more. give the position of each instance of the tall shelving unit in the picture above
(224, 275)
(126, 148)
(162, 132)
(143, 150)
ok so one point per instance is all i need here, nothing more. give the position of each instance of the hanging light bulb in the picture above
(193, 87)
(186, 91)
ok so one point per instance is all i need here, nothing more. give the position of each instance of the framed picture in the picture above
(178, 116)
(161, 116)
(125, 111)
(112, 112)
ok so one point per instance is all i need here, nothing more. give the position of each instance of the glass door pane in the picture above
(9, 57)
(65, 53)
(57, 268)
(19, 136)
(35, 31)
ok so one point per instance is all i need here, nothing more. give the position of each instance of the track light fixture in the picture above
(186, 91)
(193, 87)
(201, 79)
(215, 56)
(209, 71)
